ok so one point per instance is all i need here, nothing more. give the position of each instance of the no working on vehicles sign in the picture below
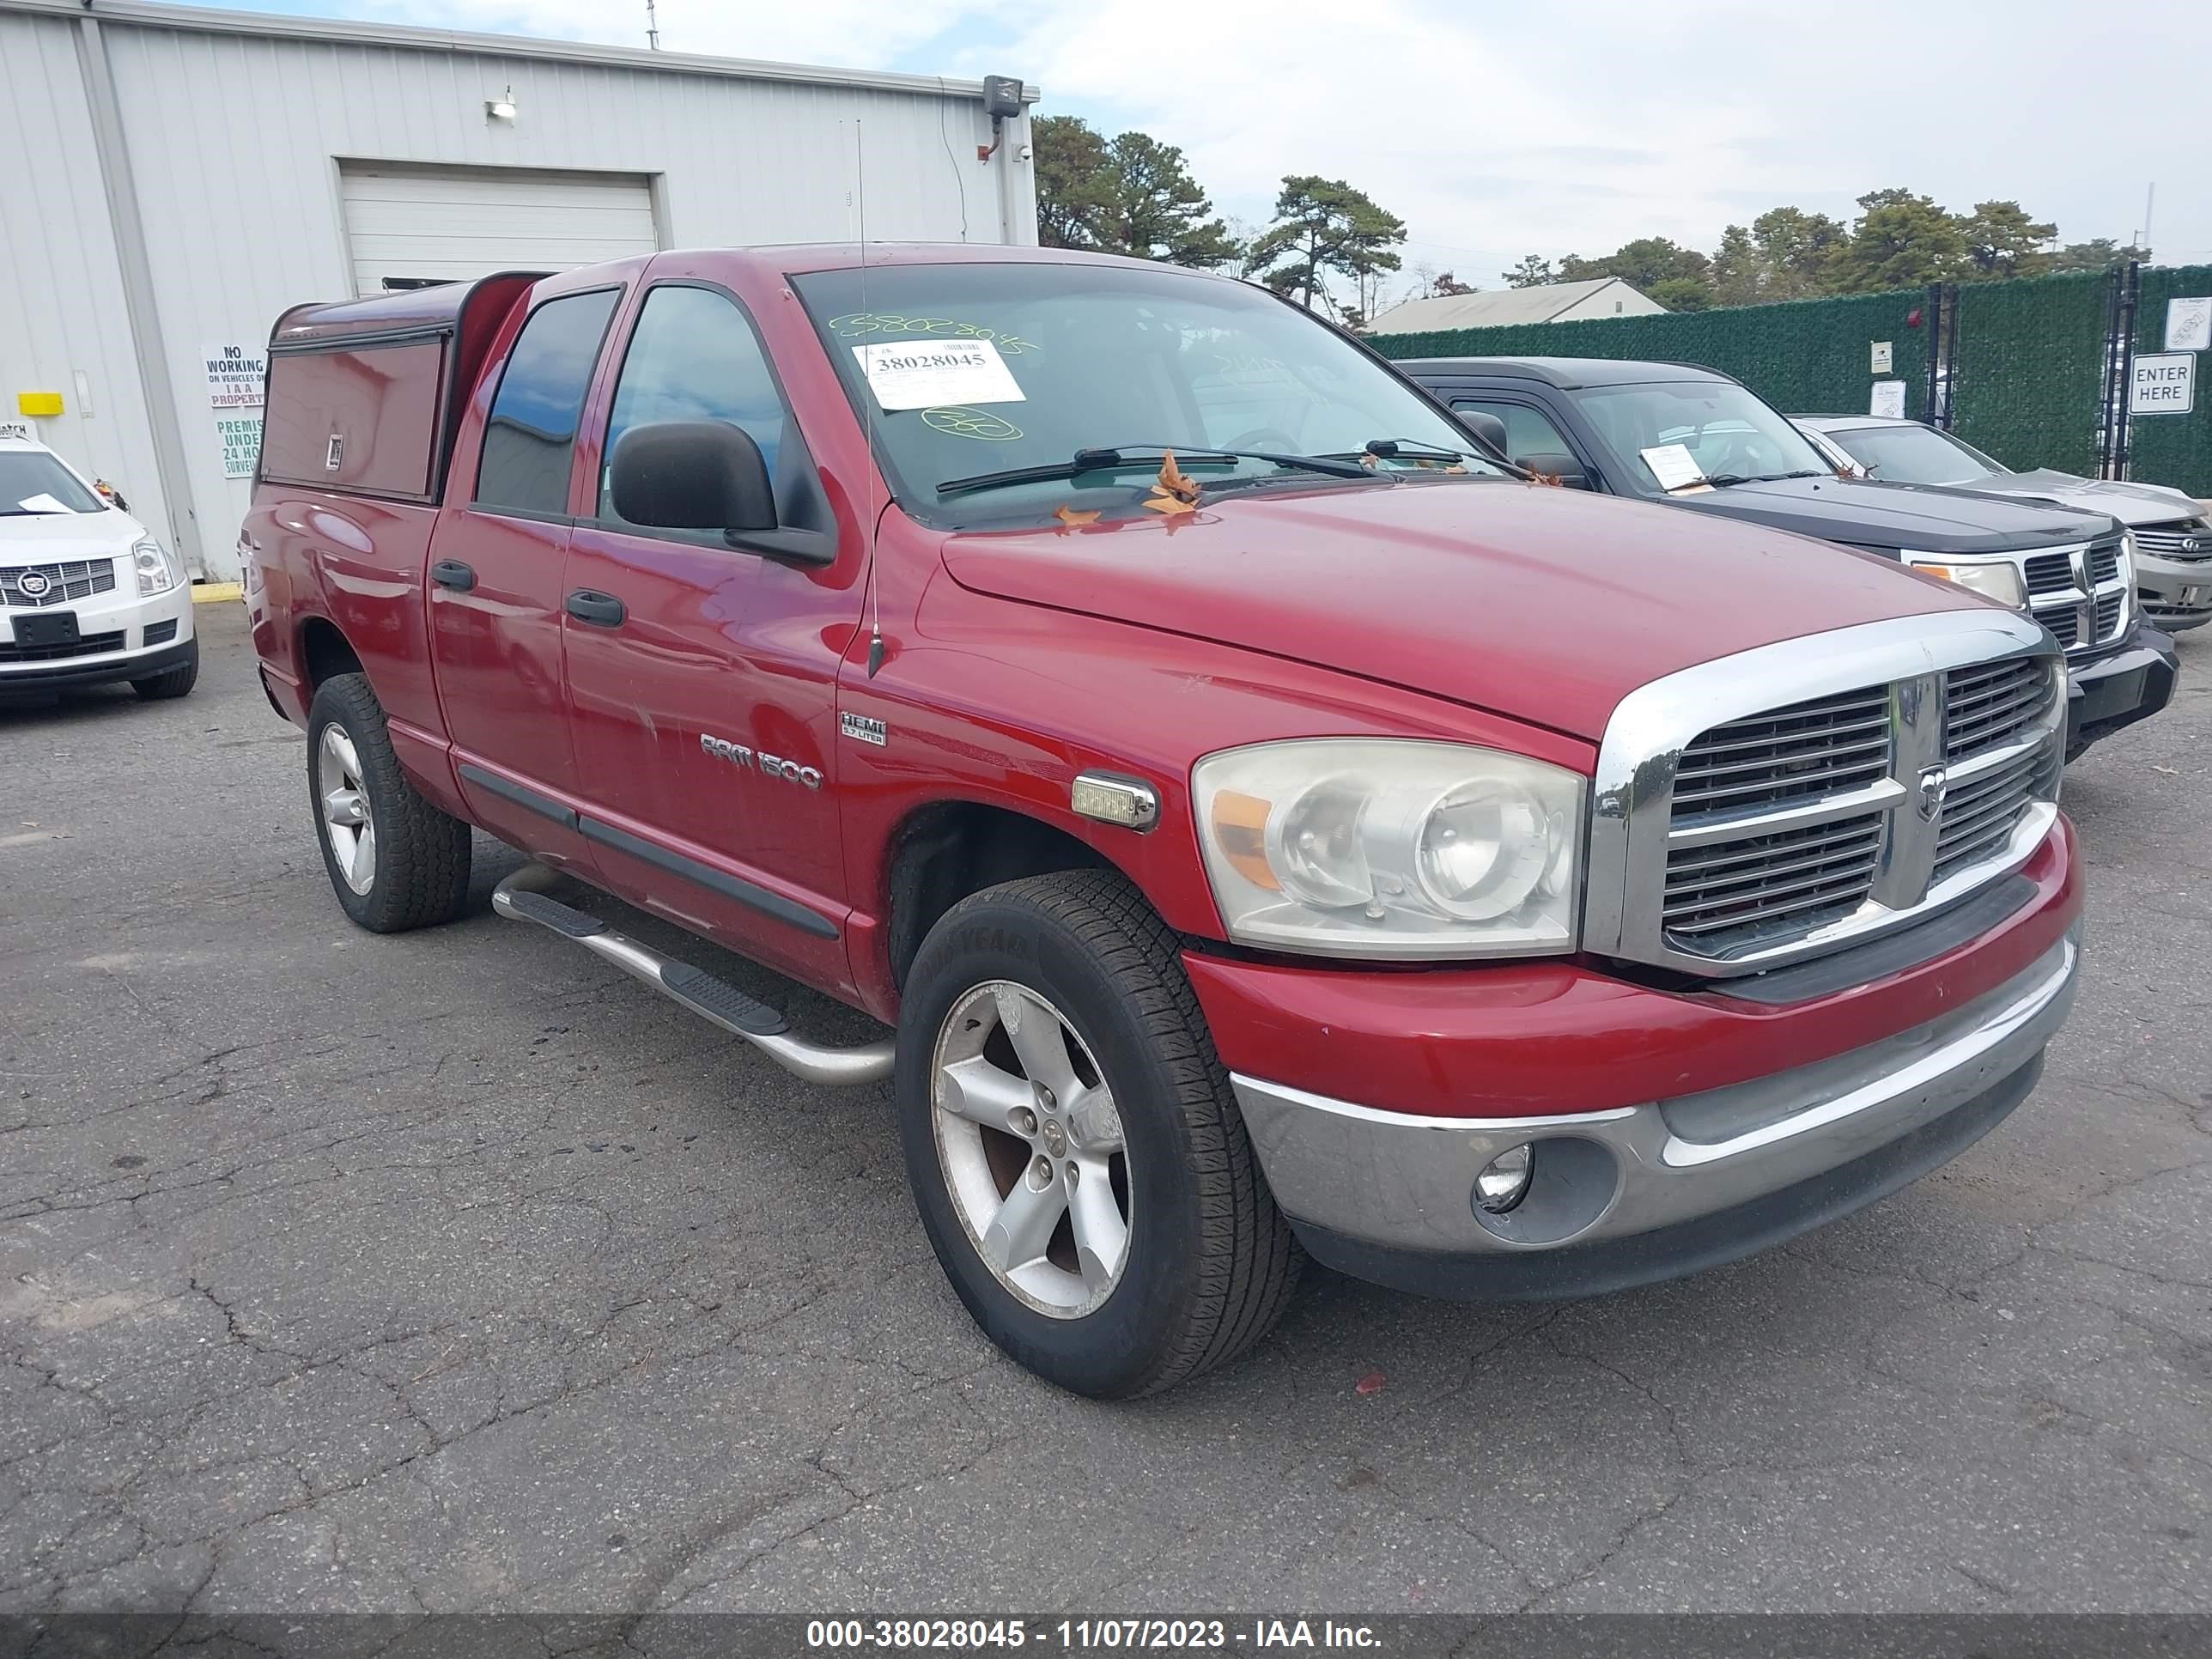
(2163, 384)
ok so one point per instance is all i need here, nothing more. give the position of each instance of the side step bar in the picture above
(521, 897)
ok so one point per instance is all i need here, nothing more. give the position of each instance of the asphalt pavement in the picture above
(453, 1271)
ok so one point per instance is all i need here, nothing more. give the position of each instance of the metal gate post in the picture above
(2124, 374)
(1936, 387)
(2122, 290)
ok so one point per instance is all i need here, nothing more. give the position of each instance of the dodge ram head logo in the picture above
(1934, 782)
(32, 584)
(773, 766)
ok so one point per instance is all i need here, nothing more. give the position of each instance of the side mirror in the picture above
(692, 475)
(1488, 427)
(1565, 468)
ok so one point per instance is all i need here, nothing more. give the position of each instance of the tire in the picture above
(176, 683)
(417, 874)
(1208, 1263)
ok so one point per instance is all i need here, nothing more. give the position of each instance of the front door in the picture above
(704, 713)
(496, 584)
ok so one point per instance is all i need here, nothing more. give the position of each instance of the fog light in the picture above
(1503, 1182)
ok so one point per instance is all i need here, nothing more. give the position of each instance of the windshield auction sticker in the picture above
(1672, 466)
(927, 373)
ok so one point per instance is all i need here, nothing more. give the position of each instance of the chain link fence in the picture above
(2025, 369)
(1804, 356)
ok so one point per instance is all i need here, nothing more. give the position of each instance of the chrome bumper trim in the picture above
(1392, 1179)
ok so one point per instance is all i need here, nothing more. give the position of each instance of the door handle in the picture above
(601, 609)
(452, 573)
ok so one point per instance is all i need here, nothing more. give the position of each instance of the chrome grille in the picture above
(1809, 749)
(2049, 573)
(73, 579)
(1992, 704)
(2078, 594)
(2164, 541)
(1916, 760)
(1795, 877)
(1979, 816)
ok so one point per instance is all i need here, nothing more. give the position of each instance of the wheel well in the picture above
(946, 852)
(324, 652)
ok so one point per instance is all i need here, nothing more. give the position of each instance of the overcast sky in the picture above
(1497, 128)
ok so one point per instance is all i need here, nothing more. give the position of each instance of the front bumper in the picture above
(2111, 692)
(1659, 1188)
(2174, 593)
(123, 618)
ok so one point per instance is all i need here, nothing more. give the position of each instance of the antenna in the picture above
(874, 601)
(652, 27)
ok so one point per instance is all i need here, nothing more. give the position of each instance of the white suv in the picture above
(87, 595)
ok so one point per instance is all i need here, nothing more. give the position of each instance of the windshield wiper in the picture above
(1409, 449)
(1147, 455)
(1723, 480)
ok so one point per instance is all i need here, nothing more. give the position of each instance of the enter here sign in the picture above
(2163, 384)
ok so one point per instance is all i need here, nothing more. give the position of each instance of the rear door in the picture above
(703, 692)
(496, 577)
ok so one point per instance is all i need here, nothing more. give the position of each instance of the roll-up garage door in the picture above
(407, 226)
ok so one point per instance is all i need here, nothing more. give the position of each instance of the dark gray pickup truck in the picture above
(1697, 440)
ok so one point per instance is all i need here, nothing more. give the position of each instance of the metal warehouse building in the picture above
(176, 177)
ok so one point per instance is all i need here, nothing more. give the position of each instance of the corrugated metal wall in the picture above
(61, 292)
(234, 141)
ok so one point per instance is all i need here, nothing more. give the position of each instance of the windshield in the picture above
(977, 370)
(1666, 434)
(33, 482)
(1913, 454)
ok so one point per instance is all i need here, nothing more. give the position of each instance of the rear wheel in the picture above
(395, 861)
(157, 688)
(1079, 1162)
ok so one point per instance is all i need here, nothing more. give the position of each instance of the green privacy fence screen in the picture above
(2172, 449)
(2029, 368)
(2027, 363)
(1805, 357)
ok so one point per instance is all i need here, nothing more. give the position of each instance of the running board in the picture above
(521, 897)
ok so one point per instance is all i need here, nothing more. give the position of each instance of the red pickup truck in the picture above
(1273, 827)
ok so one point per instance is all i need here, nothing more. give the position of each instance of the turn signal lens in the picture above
(1240, 831)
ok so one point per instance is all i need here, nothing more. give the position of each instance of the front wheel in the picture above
(175, 683)
(1079, 1162)
(395, 861)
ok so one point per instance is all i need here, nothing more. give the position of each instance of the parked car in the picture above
(2169, 532)
(88, 596)
(1597, 424)
(1265, 823)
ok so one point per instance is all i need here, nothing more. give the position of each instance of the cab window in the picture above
(529, 438)
(693, 356)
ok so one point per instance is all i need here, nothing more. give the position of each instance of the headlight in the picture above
(157, 572)
(1999, 579)
(1358, 846)
(2128, 556)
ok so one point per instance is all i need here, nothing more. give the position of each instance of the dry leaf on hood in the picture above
(1551, 478)
(1068, 516)
(1170, 505)
(1174, 482)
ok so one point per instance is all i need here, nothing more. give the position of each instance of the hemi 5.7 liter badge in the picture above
(865, 728)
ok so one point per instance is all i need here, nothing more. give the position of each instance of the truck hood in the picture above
(49, 538)
(1544, 605)
(2130, 503)
(1926, 519)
